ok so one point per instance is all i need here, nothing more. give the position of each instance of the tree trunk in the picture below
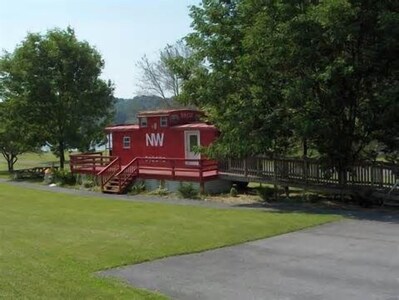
(305, 147)
(62, 155)
(10, 165)
(11, 160)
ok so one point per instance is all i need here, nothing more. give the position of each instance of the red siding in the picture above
(156, 141)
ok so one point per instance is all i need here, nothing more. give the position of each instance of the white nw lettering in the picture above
(154, 139)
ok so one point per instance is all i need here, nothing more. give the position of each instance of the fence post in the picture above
(246, 167)
(305, 170)
(275, 179)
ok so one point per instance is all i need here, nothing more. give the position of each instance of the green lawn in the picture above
(31, 160)
(50, 243)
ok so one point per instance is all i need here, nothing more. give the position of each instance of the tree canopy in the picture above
(53, 81)
(274, 74)
(15, 138)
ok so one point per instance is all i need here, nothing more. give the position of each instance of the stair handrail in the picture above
(122, 179)
(109, 171)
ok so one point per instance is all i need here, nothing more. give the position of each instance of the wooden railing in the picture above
(377, 175)
(89, 162)
(110, 171)
(178, 167)
(127, 174)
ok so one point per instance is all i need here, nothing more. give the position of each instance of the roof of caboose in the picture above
(125, 127)
(165, 112)
(130, 127)
(199, 125)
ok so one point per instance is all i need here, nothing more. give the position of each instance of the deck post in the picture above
(200, 170)
(173, 165)
(202, 187)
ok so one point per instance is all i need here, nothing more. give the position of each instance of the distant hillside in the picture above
(126, 109)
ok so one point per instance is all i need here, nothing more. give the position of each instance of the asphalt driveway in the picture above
(350, 259)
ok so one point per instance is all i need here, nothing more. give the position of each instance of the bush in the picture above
(160, 191)
(88, 184)
(137, 188)
(233, 192)
(265, 193)
(64, 177)
(187, 191)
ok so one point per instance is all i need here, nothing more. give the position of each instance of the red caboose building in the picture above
(162, 134)
(163, 146)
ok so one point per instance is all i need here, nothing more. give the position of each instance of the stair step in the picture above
(112, 186)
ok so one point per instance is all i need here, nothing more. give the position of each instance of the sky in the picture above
(123, 31)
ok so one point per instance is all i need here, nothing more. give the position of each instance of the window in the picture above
(143, 122)
(126, 142)
(164, 121)
(109, 144)
(174, 119)
(193, 140)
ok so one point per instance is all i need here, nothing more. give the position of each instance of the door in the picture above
(192, 141)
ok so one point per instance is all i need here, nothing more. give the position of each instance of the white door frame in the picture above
(189, 154)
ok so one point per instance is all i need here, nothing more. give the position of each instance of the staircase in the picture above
(115, 179)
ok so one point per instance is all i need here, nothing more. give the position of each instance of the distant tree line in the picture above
(126, 110)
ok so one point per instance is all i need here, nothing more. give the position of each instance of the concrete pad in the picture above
(351, 259)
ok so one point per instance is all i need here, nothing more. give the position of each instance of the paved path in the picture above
(351, 259)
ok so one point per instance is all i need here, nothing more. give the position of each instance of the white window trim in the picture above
(163, 124)
(126, 142)
(145, 123)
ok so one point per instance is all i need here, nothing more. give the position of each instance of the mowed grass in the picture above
(30, 160)
(51, 243)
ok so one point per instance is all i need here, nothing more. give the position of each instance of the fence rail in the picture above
(308, 172)
(89, 162)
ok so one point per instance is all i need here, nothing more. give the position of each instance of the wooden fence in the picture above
(309, 172)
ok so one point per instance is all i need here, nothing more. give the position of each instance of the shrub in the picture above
(64, 177)
(88, 184)
(265, 193)
(233, 192)
(137, 188)
(160, 191)
(187, 191)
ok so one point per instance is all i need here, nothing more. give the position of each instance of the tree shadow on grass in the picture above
(381, 214)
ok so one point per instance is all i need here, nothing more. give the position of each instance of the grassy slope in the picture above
(52, 243)
(31, 160)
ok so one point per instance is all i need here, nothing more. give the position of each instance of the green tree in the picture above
(53, 81)
(219, 78)
(14, 140)
(271, 74)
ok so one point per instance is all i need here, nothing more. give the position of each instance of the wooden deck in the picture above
(310, 174)
(116, 177)
(174, 169)
(306, 174)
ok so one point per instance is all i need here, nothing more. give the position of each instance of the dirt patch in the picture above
(239, 199)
